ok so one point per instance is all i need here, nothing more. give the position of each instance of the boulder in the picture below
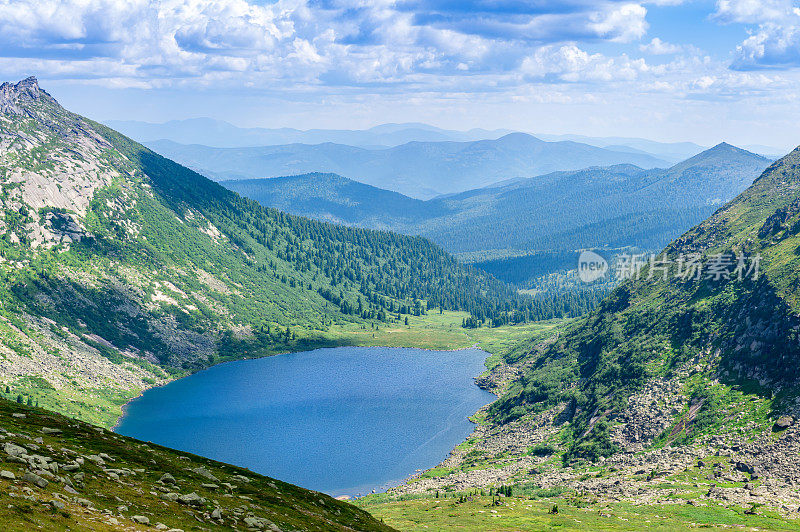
(140, 520)
(783, 423)
(14, 450)
(203, 472)
(36, 480)
(191, 499)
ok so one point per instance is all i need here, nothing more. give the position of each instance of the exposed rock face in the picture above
(12, 94)
(64, 176)
(52, 165)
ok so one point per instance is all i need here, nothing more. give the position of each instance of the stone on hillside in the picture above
(784, 422)
(166, 478)
(36, 480)
(57, 505)
(48, 430)
(7, 475)
(140, 519)
(191, 499)
(18, 415)
(259, 523)
(203, 472)
(14, 450)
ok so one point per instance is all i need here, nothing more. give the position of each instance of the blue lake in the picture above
(342, 421)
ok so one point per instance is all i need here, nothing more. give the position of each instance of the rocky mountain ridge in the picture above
(679, 389)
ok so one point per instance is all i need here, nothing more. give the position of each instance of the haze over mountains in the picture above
(417, 169)
(221, 134)
(599, 207)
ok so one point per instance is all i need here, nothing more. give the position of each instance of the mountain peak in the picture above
(14, 95)
(721, 150)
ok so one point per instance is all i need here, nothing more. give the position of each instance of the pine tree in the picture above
(20, 400)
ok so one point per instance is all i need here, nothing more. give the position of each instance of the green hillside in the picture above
(61, 474)
(740, 332)
(121, 268)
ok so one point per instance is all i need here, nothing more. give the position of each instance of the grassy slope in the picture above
(138, 491)
(531, 513)
(174, 273)
(742, 332)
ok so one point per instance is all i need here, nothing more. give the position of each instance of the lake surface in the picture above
(342, 421)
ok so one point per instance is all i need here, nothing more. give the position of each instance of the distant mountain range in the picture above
(221, 134)
(669, 151)
(599, 207)
(417, 169)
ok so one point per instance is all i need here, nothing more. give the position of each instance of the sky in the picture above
(672, 70)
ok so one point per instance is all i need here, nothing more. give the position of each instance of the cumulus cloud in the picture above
(342, 41)
(751, 11)
(437, 45)
(774, 40)
(572, 64)
(772, 46)
(658, 47)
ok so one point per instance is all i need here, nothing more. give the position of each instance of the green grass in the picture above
(138, 490)
(524, 513)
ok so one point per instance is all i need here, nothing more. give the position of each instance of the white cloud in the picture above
(658, 47)
(774, 40)
(572, 64)
(772, 46)
(344, 41)
(751, 11)
(623, 23)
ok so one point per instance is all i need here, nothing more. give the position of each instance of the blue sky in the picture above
(705, 70)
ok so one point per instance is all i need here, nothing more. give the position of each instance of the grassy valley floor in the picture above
(534, 513)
